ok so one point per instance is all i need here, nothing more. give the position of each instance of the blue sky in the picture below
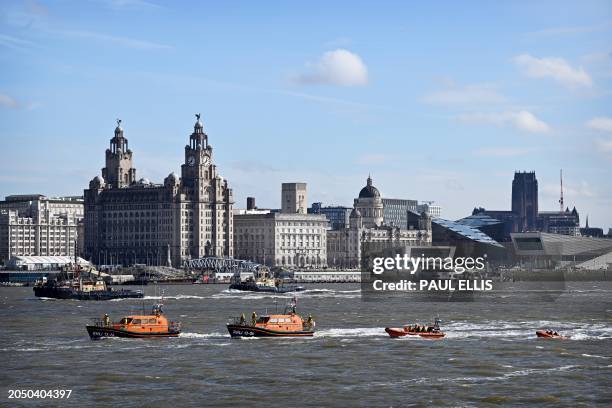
(439, 101)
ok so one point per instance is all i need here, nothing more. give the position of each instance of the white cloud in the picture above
(339, 67)
(602, 123)
(521, 120)
(468, 94)
(8, 101)
(604, 146)
(555, 68)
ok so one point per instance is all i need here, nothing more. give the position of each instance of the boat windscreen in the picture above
(125, 320)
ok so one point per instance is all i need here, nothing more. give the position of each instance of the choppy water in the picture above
(490, 354)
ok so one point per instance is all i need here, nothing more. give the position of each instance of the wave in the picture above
(187, 335)
(526, 329)
(472, 380)
(352, 332)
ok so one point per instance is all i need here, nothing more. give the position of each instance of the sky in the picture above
(438, 101)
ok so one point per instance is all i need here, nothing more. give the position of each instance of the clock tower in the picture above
(208, 199)
(198, 168)
(119, 171)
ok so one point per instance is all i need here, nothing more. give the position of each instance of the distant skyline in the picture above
(437, 101)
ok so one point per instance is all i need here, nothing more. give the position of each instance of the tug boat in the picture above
(289, 324)
(76, 283)
(135, 326)
(549, 334)
(262, 282)
(427, 332)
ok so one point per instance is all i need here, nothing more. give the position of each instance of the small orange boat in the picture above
(289, 324)
(427, 332)
(135, 326)
(549, 334)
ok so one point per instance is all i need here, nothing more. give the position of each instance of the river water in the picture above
(490, 354)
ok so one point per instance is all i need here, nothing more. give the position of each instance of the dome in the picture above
(171, 180)
(369, 191)
(96, 182)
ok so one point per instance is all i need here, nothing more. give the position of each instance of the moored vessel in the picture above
(288, 324)
(427, 332)
(75, 283)
(262, 282)
(135, 326)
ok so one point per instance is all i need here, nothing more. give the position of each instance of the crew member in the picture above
(106, 320)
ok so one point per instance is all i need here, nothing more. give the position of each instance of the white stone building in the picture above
(277, 239)
(35, 225)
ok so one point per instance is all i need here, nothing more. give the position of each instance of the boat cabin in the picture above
(289, 322)
(142, 324)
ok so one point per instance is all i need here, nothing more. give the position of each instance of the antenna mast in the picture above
(561, 198)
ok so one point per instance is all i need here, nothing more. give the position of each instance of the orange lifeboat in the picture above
(549, 334)
(427, 332)
(289, 324)
(135, 326)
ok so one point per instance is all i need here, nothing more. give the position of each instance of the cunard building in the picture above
(129, 221)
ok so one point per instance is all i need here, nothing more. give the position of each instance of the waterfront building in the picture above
(281, 240)
(345, 246)
(293, 198)
(37, 263)
(338, 216)
(36, 225)
(467, 241)
(549, 251)
(130, 221)
(492, 227)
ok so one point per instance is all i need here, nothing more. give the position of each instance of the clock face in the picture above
(191, 160)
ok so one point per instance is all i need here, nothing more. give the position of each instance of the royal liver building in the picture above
(130, 221)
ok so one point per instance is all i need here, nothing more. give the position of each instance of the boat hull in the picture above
(97, 332)
(236, 330)
(395, 332)
(542, 334)
(68, 293)
(270, 289)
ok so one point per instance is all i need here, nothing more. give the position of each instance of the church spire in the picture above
(587, 221)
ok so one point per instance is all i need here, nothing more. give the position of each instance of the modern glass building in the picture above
(395, 211)
(338, 216)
